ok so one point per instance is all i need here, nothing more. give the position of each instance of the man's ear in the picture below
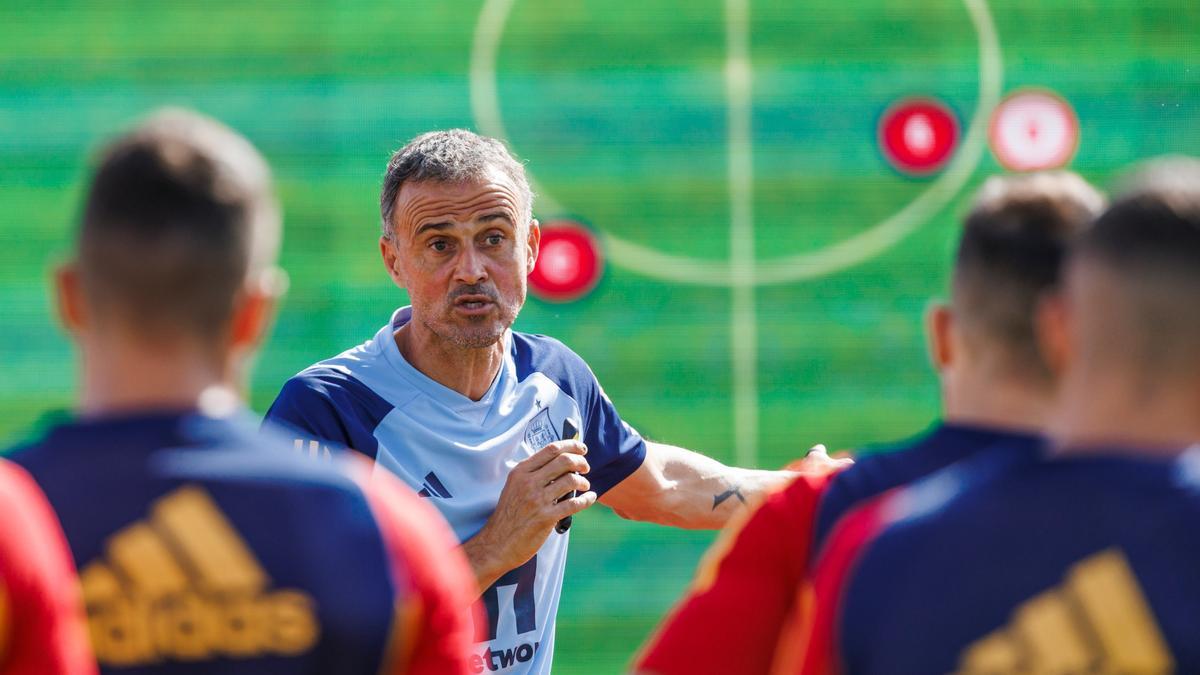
(939, 335)
(69, 300)
(1053, 327)
(254, 310)
(391, 260)
(533, 243)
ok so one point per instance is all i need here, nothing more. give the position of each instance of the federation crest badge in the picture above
(540, 431)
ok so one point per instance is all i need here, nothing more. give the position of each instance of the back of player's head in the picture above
(179, 213)
(1145, 252)
(1012, 249)
(450, 156)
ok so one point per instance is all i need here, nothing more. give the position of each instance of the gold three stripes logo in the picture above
(1097, 621)
(182, 585)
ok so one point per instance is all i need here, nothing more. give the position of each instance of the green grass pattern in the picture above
(619, 109)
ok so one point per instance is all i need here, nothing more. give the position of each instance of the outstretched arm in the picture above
(681, 488)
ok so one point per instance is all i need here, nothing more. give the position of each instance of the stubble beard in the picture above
(474, 332)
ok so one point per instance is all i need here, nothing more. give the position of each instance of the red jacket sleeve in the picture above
(433, 627)
(42, 626)
(808, 641)
(729, 620)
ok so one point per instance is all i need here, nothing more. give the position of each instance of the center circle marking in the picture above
(485, 106)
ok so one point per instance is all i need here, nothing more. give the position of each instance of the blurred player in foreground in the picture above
(491, 424)
(995, 389)
(1081, 559)
(42, 628)
(203, 546)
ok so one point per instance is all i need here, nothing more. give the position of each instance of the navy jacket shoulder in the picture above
(328, 403)
(615, 449)
(997, 546)
(183, 510)
(886, 468)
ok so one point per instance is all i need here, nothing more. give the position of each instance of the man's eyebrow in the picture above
(498, 215)
(433, 226)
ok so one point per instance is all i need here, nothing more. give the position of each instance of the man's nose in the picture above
(471, 266)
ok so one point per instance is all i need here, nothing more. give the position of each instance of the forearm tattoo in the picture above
(734, 491)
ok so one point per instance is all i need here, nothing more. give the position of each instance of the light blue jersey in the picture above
(458, 453)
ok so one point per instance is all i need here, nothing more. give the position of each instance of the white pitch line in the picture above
(865, 245)
(742, 315)
(485, 98)
(740, 272)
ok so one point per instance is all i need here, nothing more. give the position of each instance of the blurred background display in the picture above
(747, 203)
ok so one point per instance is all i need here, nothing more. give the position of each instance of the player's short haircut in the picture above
(179, 212)
(1012, 250)
(1149, 242)
(451, 156)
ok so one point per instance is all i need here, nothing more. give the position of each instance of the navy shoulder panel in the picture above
(545, 355)
(304, 524)
(870, 476)
(328, 404)
(615, 449)
(876, 473)
(1039, 522)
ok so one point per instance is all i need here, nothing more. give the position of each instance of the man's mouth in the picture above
(473, 303)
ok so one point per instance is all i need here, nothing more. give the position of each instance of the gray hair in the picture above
(451, 156)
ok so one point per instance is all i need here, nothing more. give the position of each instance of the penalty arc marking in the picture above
(485, 106)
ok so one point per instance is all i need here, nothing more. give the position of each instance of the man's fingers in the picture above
(565, 483)
(565, 463)
(547, 454)
(573, 505)
(817, 461)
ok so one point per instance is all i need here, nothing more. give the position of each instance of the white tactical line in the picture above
(741, 273)
(742, 315)
(485, 100)
(485, 104)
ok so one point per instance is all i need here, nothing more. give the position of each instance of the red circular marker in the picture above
(918, 135)
(1033, 130)
(569, 263)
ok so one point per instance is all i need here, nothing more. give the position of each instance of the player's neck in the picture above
(122, 376)
(1102, 410)
(997, 403)
(468, 371)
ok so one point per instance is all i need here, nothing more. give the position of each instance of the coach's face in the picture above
(464, 254)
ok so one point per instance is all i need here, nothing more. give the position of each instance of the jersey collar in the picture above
(386, 343)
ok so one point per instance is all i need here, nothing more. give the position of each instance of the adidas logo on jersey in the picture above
(1097, 621)
(182, 585)
(433, 487)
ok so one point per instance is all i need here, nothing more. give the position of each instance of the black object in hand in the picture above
(569, 432)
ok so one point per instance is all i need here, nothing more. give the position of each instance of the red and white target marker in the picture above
(918, 135)
(569, 263)
(1033, 130)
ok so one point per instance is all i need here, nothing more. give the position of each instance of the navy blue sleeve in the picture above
(615, 449)
(328, 405)
(622, 447)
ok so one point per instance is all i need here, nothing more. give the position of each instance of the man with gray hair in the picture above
(508, 434)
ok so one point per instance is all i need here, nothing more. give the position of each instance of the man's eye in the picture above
(439, 245)
(494, 239)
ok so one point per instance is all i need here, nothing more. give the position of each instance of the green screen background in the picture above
(618, 106)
